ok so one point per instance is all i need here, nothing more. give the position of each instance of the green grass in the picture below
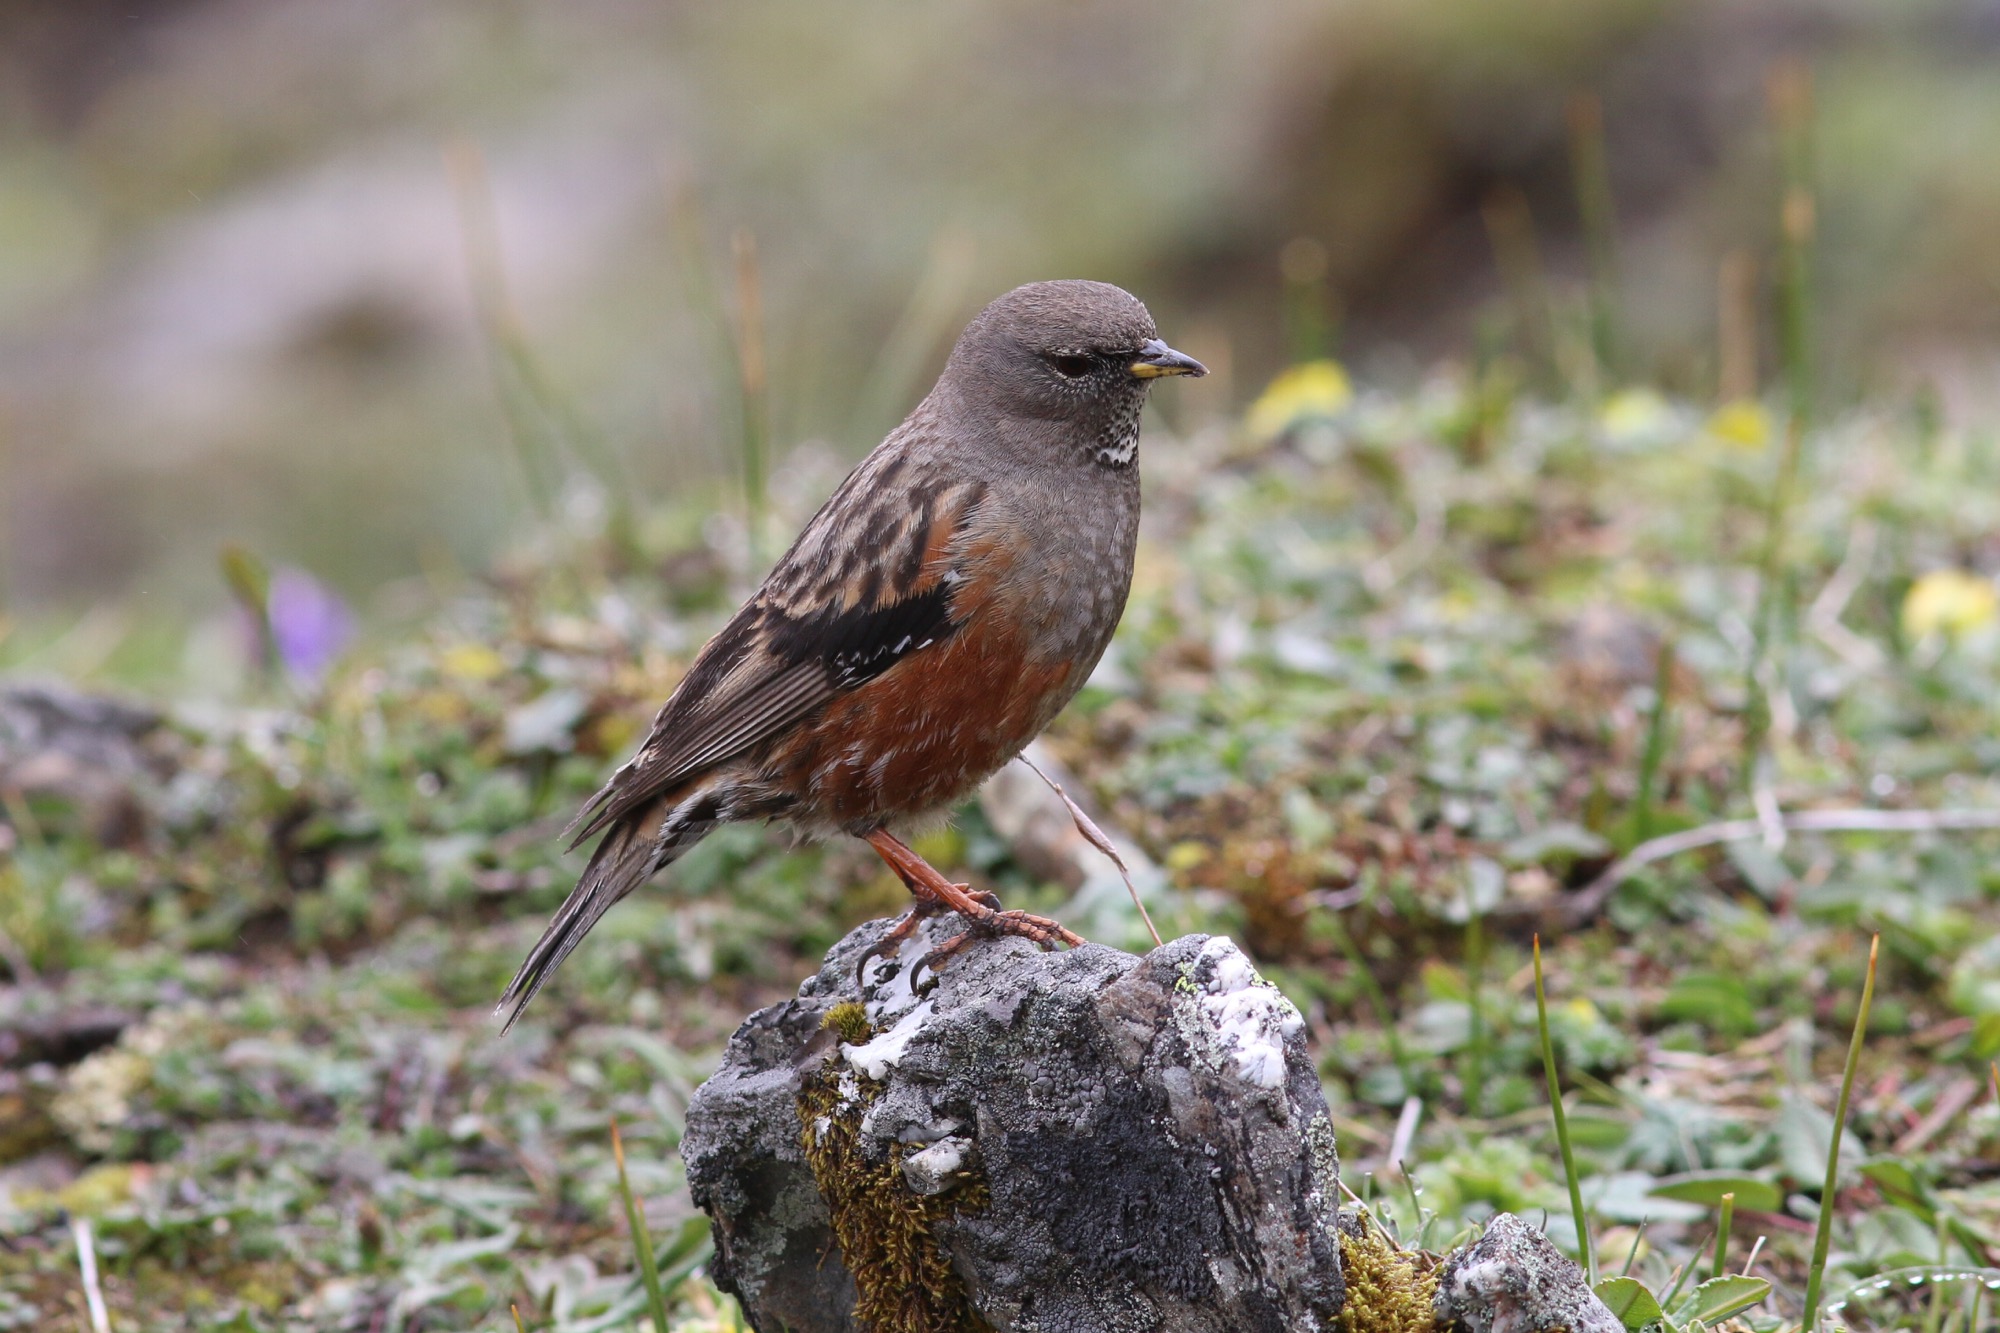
(1381, 700)
(1586, 1255)
(1823, 1228)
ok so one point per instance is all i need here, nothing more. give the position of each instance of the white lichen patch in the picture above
(99, 1094)
(875, 1058)
(1324, 1198)
(1233, 1019)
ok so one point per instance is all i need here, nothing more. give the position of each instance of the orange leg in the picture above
(934, 893)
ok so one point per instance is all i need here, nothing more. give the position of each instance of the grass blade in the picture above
(754, 384)
(926, 324)
(1632, 1255)
(1510, 229)
(1475, 981)
(1682, 1274)
(1562, 1121)
(1656, 744)
(1379, 1008)
(642, 1244)
(1790, 94)
(1736, 328)
(249, 581)
(1722, 1232)
(1791, 108)
(1590, 165)
(1823, 1233)
(1309, 317)
(535, 448)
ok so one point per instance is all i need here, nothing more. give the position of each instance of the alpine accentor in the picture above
(935, 614)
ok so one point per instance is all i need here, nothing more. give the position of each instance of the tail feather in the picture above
(632, 852)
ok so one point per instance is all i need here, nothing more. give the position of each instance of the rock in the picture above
(1514, 1280)
(1076, 1142)
(57, 1034)
(86, 752)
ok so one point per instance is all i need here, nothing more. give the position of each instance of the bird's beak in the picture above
(1156, 359)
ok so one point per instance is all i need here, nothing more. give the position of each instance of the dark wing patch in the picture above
(858, 644)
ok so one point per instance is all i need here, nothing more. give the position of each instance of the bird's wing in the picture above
(870, 581)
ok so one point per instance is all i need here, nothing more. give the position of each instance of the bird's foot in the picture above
(994, 924)
(985, 919)
(906, 925)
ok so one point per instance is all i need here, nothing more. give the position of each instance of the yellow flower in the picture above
(1743, 423)
(472, 662)
(1949, 601)
(1631, 415)
(1313, 389)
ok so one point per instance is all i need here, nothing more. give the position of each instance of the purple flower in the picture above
(310, 624)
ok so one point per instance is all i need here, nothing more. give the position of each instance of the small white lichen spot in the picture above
(874, 1059)
(932, 1170)
(1240, 1021)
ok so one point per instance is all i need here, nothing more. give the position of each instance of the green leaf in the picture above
(1986, 1037)
(1716, 1001)
(1628, 1298)
(249, 579)
(1601, 1130)
(1763, 868)
(1753, 1193)
(688, 1248)
(1900, 1186)
(1721, 1297)
(1805, 1138)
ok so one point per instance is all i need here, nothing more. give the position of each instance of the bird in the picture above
(935, 614)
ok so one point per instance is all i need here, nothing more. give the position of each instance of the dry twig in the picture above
(86, 1259)
(1584, 904)
(1095, 836)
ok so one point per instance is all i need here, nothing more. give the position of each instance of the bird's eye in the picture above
(1072, 365)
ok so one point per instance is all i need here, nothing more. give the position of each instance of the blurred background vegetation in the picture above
(1601, 448)
(244, 243)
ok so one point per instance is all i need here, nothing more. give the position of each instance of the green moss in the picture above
(1389, 1290)
(849, 1020)
(904, 1282)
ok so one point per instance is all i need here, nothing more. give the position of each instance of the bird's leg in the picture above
(928, 904)
(935, 893)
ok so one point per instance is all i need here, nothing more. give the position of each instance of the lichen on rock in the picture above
(1514, 1280)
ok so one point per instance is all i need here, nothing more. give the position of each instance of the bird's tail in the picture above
(636, 848)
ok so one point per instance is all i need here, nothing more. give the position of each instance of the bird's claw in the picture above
(892, 939)
(906, 926)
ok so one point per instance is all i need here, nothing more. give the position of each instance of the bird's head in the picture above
(1072, 359)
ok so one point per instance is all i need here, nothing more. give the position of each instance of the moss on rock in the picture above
(887, 1232)
(1389, 1290)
